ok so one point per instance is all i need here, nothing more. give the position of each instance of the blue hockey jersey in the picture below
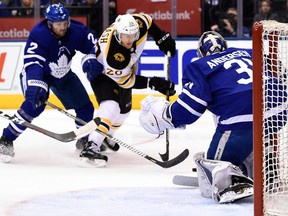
(50, 57)
(221, 83)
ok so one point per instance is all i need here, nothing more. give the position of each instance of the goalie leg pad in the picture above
(236, 192)
(230, 184)
(204, 174)
(221, 180)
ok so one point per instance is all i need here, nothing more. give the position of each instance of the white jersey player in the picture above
(112, 71)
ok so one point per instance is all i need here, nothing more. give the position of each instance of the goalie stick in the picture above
(185, 180)
(167, 164)
(65, 137)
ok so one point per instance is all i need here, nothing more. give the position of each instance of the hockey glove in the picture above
(153, 116)
(91, 66)
(36, 92)
(162, 86)
(166, 43)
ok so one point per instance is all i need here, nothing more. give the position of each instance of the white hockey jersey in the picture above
(119, 63)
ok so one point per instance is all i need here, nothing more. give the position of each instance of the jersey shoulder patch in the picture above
(144, 21)
(41, 34)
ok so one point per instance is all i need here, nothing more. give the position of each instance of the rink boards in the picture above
(151, 63)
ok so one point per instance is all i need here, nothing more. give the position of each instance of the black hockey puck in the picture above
(194, 169)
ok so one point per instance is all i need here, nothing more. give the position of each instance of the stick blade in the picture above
(185, 181)
(175, 161)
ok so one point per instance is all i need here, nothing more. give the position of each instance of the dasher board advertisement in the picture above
(188, 14)
(19, 28)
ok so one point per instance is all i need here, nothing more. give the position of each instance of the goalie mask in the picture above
(57, 13)
(209, 43)
(126, 24)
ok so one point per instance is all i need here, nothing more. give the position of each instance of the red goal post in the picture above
(270, 130)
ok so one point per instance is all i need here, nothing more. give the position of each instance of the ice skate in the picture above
(81, 143)
(110, 144)
(6, 150)
(91, 155)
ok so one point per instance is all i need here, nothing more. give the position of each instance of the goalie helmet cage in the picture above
(270, 131)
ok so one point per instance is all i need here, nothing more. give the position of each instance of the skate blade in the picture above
(231, 196)
(5, 158)
(85, 162)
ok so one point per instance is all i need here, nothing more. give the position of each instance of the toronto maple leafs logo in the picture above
(62, 67)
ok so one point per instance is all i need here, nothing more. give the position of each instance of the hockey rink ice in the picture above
(46, 179)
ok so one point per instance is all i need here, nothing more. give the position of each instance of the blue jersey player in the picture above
(47, 65)
(220, 81)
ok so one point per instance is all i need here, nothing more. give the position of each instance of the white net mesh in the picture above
(275, 128)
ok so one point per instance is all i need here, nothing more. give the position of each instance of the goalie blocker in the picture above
(221, 180)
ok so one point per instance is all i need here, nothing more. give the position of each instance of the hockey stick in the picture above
(65, 137)
(165, 156)
(185, 180)
(181, 157)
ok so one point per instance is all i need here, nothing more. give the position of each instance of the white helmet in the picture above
(126, 24)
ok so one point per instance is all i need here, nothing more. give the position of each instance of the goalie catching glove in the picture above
(161, 85)
(154, 115)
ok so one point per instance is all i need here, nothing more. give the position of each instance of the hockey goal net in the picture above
(270, 128)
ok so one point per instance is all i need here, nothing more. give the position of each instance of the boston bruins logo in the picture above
(139, 23)
(119, 57)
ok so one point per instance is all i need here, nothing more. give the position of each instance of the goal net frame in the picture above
(269, 192)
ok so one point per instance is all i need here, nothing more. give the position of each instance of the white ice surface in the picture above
(45, 178)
